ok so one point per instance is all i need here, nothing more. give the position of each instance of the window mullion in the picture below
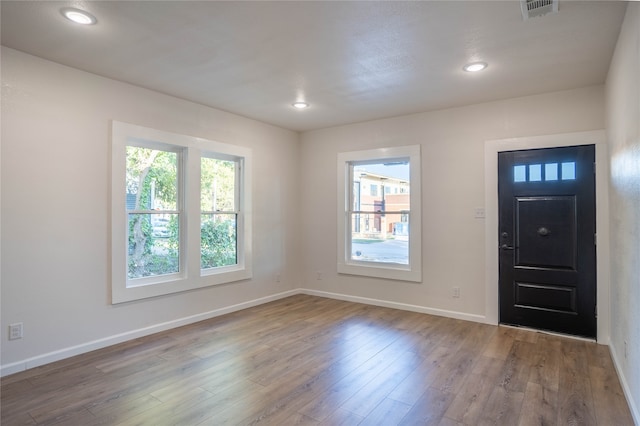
(154, 211)
(239, 212)
(219, 212)
(191, 209)
(379, 211)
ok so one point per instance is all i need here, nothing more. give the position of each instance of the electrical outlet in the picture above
(456, 292)
(278, 278)
(479, 213)
(15, 331)
(319, 275)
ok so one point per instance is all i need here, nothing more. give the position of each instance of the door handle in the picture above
(543, 232)
(506, 247)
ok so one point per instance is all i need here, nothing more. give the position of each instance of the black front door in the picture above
(547, 239)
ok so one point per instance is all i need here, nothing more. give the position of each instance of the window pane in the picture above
(378, 236)
(152, 179)
(535, 173)
(551, 171)
(217, 185)
(218, 240)
(568, 171)
(368, 244)
(153, 245)
(519, 173)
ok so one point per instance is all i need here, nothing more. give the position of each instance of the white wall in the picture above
(55, 225)
(452, 187)
(623, 128)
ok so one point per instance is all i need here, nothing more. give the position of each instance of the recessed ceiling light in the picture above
(78, 16)
(300, 105)
(475, 66)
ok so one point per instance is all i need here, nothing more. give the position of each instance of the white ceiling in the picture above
(352, 61)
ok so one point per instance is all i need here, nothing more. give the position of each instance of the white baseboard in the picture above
(396, 305)
(58, 355)
(635, 413)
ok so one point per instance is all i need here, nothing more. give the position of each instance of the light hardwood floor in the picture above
(307, 360)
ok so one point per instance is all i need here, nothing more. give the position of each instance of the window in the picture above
(219, 211)
(180, 213)
(535, 172)
(153, 210)
(519, 173)
(569, 171)
(379, 233)
(550, 170)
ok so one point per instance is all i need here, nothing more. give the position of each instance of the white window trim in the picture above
(180, 152)
(410, 272)
(190, 276)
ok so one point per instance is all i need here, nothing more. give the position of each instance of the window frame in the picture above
(179, 151)
(239, 208)
(347, 265)
(190, 276)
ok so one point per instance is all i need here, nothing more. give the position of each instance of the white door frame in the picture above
(491, 150)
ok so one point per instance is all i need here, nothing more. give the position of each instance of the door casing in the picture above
(491, 150)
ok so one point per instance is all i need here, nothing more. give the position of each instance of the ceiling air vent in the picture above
(534, 8)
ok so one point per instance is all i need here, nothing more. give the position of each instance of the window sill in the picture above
(388, 271)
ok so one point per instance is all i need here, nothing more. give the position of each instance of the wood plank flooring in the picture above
(307, 360)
